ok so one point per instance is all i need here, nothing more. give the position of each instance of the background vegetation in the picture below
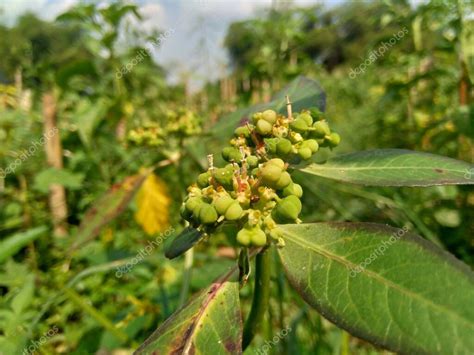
(83, 223)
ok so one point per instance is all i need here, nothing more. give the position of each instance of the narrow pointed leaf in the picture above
(183, 242)
(394, 167)
(209, 324)
(11, 245)
(384, 285)
(108, 207)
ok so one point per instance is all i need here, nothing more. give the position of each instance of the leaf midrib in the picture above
(376, 276)
(216, 288)
(322, 167)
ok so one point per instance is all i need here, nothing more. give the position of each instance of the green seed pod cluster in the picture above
(255, 191)
(180, 124)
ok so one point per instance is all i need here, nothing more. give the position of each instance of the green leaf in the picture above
(11, 245)
(394, 167)
(210, 323)
(23, 299)
(57, 176)
(183, 242)
(107, 207)
(384, 285)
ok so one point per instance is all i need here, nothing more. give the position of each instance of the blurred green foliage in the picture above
(417, 95)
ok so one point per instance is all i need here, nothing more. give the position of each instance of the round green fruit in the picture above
(193, 203)
(312, 144)
(271, 144)
(299, 126)
(287, 209)
(305, 153)
(283, 181)
(243, 237)
(316, 113)
(242, 131)
(295, 201)
(258, 237)
(293, 189)
(277, 162)
(207, 214)
(270, 173)
(320, 129)
(334, 139)
(231, 154)
(203, 179)
(184, 212)
(257, 117)
(222, 203)
(305, 116)
(234, 212)
(224, 176)
(270, 116)
(252, 161)
(264, 128)
(283, 146)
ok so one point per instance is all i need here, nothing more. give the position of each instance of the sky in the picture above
(195, 46)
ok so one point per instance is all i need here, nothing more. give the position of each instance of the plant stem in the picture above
(188, 266)
(261, 297)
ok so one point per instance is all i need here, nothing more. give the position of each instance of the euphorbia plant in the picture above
(380, 283)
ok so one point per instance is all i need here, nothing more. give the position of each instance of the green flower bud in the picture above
(283, 181)
(305, 116)
(222, 203)
(270, 116)
(243, 237)
(234, 212)
(321, 129)
(305, 153)
(252, 161)
(231, 153)
(299, 126)
(254, 172)
(293, 189)
(264, 128)
(270, 144)
(312, 144)
(284, 146)
(242, 131)
(207, 214)
(334, 139)
(203, 180)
